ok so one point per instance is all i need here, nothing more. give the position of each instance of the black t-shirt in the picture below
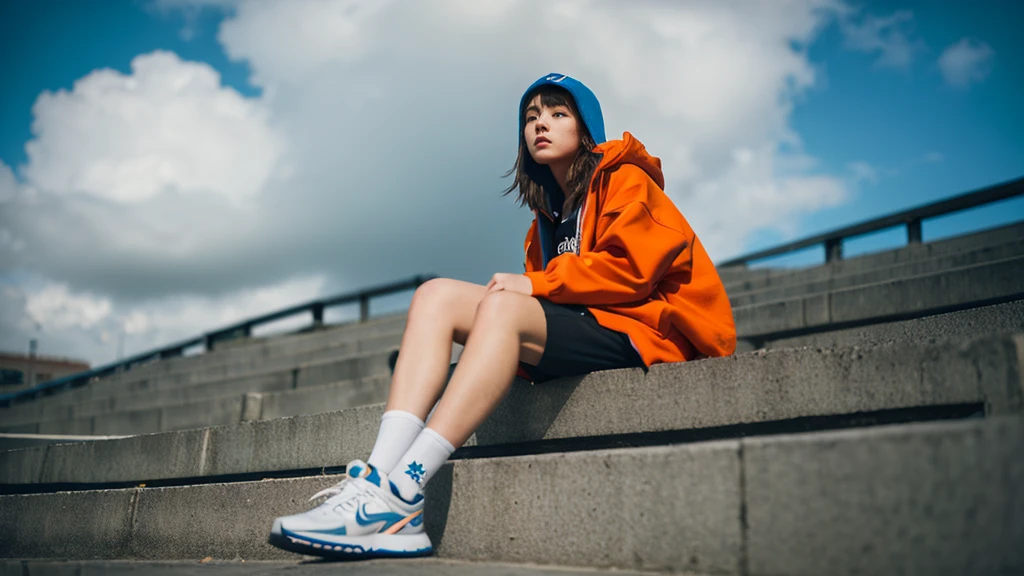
(565, 234)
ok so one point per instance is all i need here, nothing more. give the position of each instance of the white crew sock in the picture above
(427, 454)
(398, 430)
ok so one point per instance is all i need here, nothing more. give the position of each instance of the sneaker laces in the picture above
(332, 490)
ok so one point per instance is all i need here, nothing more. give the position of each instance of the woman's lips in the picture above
(541, 142)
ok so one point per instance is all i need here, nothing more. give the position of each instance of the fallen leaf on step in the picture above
(205, 560)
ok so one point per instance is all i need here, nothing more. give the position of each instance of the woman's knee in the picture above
(499, 307)
(447, 302)
(432, 295)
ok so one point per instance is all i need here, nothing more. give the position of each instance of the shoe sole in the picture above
(353, 547)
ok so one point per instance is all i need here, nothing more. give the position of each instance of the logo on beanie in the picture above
(416, 471)
(556, 78)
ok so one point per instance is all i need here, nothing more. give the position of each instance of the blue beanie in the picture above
(586, 103)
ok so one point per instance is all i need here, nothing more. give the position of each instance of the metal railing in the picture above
(833, 241)
(209, 340)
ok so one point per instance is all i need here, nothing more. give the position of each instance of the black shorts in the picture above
(577, 344)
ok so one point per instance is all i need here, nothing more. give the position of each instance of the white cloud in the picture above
(8, 184)
(168, 126)
(892, 37)
(693, 81)
(967, 62)
(376, 149)
(56, 307)
(326, 33)
(863, 172)
(183, 314)
(90, 325)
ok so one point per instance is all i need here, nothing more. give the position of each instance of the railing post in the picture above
(833, 250)
(914, 231)
(318, 315)
(364, 308)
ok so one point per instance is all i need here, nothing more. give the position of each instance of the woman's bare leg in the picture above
(508, 327)
(441, 312)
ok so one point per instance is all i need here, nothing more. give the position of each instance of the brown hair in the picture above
(532, 179)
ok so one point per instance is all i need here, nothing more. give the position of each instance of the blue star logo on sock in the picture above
(416, 471)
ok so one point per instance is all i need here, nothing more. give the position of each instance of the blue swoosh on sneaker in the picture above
(364, 519)
(335, 531)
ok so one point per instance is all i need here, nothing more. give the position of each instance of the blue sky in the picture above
(60, 41)
(892, 119)
(882, 127)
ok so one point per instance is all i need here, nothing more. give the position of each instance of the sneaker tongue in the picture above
(357, 469)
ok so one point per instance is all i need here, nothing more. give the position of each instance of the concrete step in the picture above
(15, 441)
(321, 344)
(738, 394)
(888, 499)
(164, 394)
(195, 368)
(221, 410)
(275, 347)
(231, 409)
(738, 279)
(916, 296)
(383, 342)
(807, 284)
(300, 567)
(318, 399)
(960, 325)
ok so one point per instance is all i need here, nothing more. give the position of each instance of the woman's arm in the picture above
(631, 255)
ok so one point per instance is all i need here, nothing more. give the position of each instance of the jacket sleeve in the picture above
(631, 255)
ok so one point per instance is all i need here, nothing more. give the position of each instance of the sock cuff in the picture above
(402, 414)
(441, 440)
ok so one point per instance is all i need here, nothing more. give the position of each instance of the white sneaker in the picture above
(363, 517)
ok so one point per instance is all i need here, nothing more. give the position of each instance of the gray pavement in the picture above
(310, 567)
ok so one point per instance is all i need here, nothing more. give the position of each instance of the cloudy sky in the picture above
(171, 166)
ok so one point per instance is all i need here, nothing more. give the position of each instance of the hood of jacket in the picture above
(629, 150)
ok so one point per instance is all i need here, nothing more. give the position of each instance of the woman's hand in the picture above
(511, 282)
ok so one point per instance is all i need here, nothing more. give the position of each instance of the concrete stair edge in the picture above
(295, 373)
(965, 324)
(919, 295)
(827, 282)
(734, 276)
(752, 506)
(765, 386)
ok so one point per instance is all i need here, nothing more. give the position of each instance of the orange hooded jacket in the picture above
(640, 269)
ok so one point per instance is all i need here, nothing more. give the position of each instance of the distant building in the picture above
(18, 371)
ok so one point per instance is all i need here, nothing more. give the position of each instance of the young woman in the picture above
(615, 278)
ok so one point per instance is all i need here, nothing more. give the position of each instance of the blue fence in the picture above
(833, 241)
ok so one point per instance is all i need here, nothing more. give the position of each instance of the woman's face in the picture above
(551, 134)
